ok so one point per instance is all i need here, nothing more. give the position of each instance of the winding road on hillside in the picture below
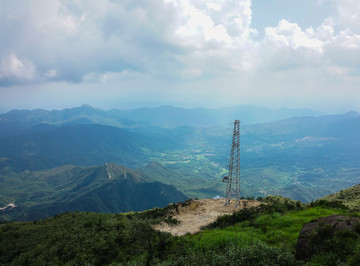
(8, 207)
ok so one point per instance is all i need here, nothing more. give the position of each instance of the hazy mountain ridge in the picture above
(203, 117)
(302, 157)
(17, 121)
(23, 121)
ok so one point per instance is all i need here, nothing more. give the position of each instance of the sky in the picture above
(56, 54)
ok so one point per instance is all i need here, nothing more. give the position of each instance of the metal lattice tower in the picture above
(233, 179)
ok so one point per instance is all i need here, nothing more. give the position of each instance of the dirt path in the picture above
(199, 213)
(107, 170)
(8, 207)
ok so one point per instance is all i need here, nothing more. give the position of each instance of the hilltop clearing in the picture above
(198, 213)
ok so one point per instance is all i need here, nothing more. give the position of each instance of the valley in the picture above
(179, 132)
(60, 160)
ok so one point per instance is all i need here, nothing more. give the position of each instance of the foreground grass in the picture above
(262, 236)
(274, 229)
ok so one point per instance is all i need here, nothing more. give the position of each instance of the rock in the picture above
(305, 247)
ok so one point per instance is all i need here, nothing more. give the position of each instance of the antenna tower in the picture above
(233, 179)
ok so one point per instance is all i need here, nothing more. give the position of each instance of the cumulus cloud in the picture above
(104, 41)
(348, 14)
(14, 69)
(290, 35)
(330, 49)
(67, 40)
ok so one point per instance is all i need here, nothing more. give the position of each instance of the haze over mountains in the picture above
(170, 116)
(165, 116)
(56, 161)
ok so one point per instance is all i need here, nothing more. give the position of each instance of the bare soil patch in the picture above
(199, 213)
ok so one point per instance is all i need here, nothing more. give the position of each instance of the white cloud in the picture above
(162, 39)
(13, 68)
(288, 34)
(107, 77)
(103, 42)
(348, 14)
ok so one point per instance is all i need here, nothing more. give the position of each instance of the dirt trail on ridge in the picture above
(199, 213)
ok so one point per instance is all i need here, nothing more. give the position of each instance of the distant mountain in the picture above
(81, 145)
(170, 116)
(108, 188)
(24, 121)
(20, 121)
(304, 125)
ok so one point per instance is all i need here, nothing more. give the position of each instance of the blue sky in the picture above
(273, 53)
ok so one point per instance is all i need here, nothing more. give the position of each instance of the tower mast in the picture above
(233, 184)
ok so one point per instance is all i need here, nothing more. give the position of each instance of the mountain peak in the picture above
(116, 171)
(155, 165)
(352, 114)
(86, 106)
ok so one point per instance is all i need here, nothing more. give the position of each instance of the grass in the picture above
(274, 229)
(349, 197)
(262, 236)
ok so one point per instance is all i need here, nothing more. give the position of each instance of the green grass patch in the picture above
(275, 229)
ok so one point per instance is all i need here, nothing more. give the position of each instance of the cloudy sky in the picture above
(127, 53)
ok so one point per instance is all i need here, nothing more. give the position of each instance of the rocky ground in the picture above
(199, 213)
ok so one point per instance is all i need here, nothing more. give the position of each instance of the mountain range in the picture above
(302, 157)
(16, 121)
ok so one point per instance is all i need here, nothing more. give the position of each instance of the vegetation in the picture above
(349, 197)
(265, 235)
(109, 188)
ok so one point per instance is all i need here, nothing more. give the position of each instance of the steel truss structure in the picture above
(233, 179)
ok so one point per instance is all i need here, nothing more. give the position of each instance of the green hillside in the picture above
(266, 235)
(349, 197)
(190, 185)
(108, 188)
(79, 145)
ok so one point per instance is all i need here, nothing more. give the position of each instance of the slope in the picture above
(79, 145)
(265, 235)
(108, 188)
(194, 186)
(349, 197)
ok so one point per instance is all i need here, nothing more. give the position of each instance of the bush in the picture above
(329, 204)
(171, 221)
